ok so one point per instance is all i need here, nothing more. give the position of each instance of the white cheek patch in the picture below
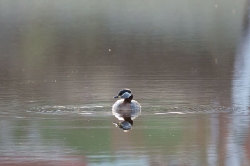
(125, 95)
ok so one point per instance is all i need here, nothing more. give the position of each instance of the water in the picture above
(173, 139)
(62, 62)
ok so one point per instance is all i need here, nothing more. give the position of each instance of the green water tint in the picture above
(97, 140)
(87, 135)
(94, 135)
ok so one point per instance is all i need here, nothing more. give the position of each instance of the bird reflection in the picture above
(126, 110)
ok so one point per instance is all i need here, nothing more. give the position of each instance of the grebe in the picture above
(126, 109)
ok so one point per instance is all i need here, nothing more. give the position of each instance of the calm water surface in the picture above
(187, 64)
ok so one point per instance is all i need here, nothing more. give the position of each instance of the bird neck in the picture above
(128, 100)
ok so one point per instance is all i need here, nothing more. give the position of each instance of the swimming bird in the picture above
(125, 109)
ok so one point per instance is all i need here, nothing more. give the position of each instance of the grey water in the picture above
(186, 62)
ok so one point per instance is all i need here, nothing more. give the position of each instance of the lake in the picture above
(186, 62)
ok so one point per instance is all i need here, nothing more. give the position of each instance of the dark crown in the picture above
(123, 91)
